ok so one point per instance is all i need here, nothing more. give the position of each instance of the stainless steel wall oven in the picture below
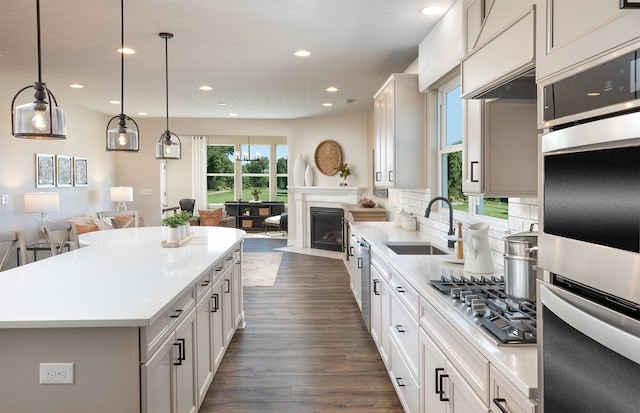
(589, 241)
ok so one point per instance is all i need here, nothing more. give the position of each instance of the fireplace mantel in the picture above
(304, 197)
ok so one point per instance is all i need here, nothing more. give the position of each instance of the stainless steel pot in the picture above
(521, 264)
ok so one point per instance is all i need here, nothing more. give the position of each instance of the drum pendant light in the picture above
(42, 119)
(121, 138)
(168, 147)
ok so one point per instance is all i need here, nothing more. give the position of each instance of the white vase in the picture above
(182, 231)
(308, 176)
(299, 166)
(173, 235)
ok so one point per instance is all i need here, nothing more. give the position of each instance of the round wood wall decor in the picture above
(328, 156)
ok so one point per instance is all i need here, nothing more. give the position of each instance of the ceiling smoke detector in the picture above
(350, 101)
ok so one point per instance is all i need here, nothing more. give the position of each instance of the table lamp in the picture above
(121, 194)
(41, 202)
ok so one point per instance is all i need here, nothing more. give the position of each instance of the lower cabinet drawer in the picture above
(505, 396)
(404, 329)
(153, 336)
(404, 382)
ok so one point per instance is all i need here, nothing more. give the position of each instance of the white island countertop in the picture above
(517, 362)
(122, 277)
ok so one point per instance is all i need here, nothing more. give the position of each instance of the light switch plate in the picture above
(5, 199)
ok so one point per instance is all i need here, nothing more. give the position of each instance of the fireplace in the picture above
(326, 228)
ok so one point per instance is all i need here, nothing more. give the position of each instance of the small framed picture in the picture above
(45, 170)
(64, 170)
(629, 4)
(80, 171)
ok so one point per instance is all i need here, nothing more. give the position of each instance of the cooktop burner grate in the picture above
(483, 300)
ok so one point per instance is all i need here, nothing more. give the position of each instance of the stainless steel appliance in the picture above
(505, 320)
(365, 281)
(589, 241)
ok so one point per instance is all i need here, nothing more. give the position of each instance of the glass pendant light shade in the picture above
(122, 138)
(169, 146)
(41, 119)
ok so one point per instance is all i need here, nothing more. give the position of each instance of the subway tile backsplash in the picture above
(522, 213)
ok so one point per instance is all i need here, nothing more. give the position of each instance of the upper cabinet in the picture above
(399, 130)
(573, 33)
(499, 41)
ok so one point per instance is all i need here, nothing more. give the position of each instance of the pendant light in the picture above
(42, 119)
(246, 156)
(167, 147)
(121, 138)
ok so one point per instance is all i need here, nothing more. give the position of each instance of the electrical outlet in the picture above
(5, 199)
(56, 373)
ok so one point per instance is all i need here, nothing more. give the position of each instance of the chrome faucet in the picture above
(427, 212)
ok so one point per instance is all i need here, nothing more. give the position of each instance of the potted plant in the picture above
(173, 222)
(255, 193)
(344, 170)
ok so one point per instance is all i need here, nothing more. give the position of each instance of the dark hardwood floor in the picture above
(304, 348)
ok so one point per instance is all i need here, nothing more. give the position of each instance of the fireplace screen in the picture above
(326, 228)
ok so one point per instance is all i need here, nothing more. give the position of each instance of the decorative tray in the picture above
(180, 243)
(328, 156)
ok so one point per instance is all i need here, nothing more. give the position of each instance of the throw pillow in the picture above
(83, 229)
(210, 217)
(120, 222)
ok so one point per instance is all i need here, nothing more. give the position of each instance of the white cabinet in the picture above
(500, 149)
(168, 377)
(506, 398)
(227, 305)
(217, 329)
(355, 266)
(204, 343)
(238, 288)
(380, 305)
(572, 32)
(431, 377)
(399, 134)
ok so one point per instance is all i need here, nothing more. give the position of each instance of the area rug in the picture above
(260, 269)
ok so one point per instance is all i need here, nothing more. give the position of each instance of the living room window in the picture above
(230, 180)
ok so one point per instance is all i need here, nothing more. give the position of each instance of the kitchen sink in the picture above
(415, 248)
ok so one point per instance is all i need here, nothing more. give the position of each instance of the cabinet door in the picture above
(385, 321)
(505, 396)
(204, 335)
(462, 398)
(379, 141)
(217, 329)
(376, 305)
(157, 386)
(237, 286)
(227, 305)
(431, 371)
(390, 136)
(185, 365)
(472, 180)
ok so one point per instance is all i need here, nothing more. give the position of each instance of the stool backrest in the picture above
(12, 240)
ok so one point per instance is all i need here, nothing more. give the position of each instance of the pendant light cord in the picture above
(121, 57)
(38, 30)
(166, 77)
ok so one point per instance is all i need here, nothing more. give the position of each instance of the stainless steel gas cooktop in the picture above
(508, 321)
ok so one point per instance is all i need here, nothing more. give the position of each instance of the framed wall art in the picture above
(80, 171)
(64, 170)
(45, 170)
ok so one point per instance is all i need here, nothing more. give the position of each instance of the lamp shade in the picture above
(121, 194)
(41, 202)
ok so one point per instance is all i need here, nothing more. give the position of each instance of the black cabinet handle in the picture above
(351, 251)
(229, 258)
(400, 329)
(228, 288)
(205, 283)
(441, 392)
(399, 381)
(176, 314)
(390, 178)
(401, 289)
(471, 167)
(438, 370)
(498, 402)
(216, 303)
(378, 176)
(219, 269)
(181, 352)
(375, 287)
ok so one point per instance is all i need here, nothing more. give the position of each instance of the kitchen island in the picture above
(144, 326)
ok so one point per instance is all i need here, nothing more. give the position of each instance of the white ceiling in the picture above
(242, 48)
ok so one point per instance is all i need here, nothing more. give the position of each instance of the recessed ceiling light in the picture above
(222, 103)
(142, 113)
(76, 86)
(332, 89)
(114, 102)
(327, 104)
(432, 10)
(302, 53)
(205, 88)
(126, 50)
(233, 114)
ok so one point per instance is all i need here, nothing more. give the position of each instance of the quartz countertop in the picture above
(121, 277)
(518, 363)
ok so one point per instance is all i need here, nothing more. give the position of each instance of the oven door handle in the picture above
(609, 328)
